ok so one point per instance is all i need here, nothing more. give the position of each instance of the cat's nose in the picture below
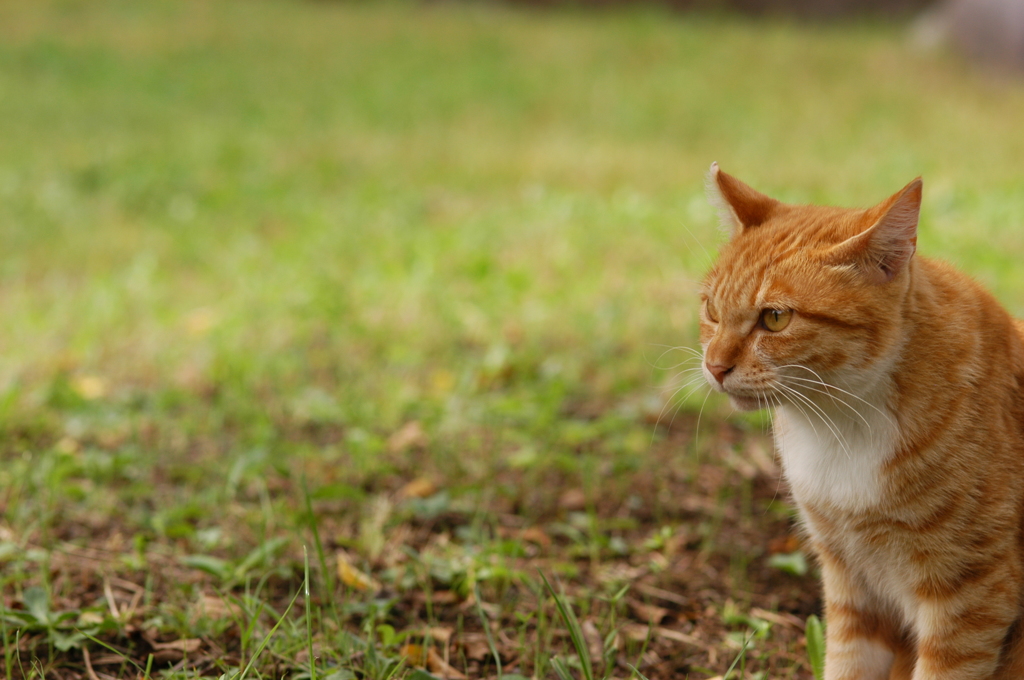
(719, 371)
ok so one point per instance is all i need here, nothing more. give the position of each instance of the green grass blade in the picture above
(636, 672)
(266, 640)
(321, 557)
(487, 629)
(561, 669)
(309, 616)
(742, 655)
(643, 650)
(8, 650)
(575, 631)
(113, 650)
(816, 646)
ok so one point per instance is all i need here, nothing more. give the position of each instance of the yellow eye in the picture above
(776, 319)
(710, 310)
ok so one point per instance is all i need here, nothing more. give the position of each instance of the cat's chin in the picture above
(746, 403)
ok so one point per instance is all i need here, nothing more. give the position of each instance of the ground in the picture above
(333, 331)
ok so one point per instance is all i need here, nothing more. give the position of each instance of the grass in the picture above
(327, 325)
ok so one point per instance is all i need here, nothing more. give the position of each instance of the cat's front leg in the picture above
(855, 644)
(960, 637)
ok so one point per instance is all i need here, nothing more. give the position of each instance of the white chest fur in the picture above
(834, 457)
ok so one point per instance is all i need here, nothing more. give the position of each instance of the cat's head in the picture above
(804, 294)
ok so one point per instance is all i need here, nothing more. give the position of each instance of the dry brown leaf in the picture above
(446, 597)
(639, 632)
(678, 636)
(438, 633)
(618, 572)
(421, 487)
(593, 638)
(185, 645)
(636, 632)
(572, 499)
(89, 387)
(647, 612)
(783, 544)
(410, 435)
(781, 618)
(435, 664)
(215, 607)
(108, 660)
(437, 597)
(474, 645)
(353, 578)
(415, 655)
(663, 594)
(535, 535)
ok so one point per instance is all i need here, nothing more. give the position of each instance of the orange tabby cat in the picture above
(898, 389)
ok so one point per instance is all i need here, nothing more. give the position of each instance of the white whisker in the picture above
(821, 412)
(775, 449)
(827, 385)
(680, 348)
(694, 381)
(810, 421)
(834, 398)
(682, 401)
(696, 429)
(692, 369)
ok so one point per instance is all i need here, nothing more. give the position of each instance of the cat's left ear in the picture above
(739, 206)
(884, 249)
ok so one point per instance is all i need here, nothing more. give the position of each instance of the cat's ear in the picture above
(739, 206)
(883, 249)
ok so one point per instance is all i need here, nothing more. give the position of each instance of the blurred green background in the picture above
(290, 194)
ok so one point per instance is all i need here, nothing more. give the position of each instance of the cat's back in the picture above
(960, 406)
(959, 324)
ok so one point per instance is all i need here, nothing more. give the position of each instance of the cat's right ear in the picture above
(739, 206)
(884, 249)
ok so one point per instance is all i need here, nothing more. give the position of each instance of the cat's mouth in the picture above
(739, 400)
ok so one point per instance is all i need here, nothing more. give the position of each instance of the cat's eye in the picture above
(776, 319)
(710, 310)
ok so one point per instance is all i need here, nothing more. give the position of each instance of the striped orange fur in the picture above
(897, 386)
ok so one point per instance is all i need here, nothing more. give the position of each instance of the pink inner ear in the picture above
(893, 239)
(885, 248)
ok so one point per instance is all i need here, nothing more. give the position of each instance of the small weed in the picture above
(794, 563)
(815, 633)
(579, 644)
